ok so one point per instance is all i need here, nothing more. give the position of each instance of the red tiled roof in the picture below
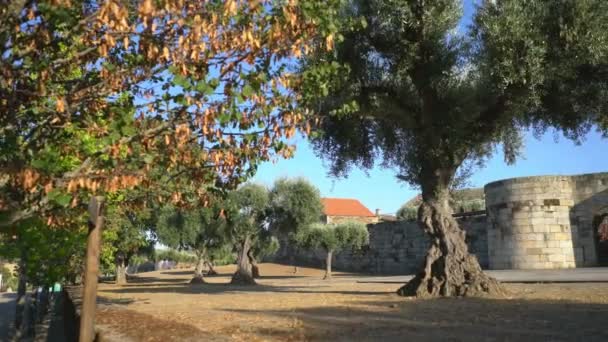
(345, 207)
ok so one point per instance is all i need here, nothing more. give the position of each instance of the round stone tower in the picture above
(529, 223)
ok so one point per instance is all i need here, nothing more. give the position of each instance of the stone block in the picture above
(557, 258)
(552, 251)
(522, 229)
(555, 228)
(539, 215)
(540, 228)
(534, 251)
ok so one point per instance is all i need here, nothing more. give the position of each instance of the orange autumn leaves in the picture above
(217, 131)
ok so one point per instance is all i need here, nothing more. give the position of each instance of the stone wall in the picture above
(395, 248)
(540, 222)
(338, 219)
(544, 222)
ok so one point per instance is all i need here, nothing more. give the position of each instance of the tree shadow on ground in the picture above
(140, 280)
(184, 272)
(139, 326)
(471, 319)
(220, 288)
(114, 301)
(319, 277)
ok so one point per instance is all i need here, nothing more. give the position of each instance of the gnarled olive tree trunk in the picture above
(121, 270)
(243, 274)
(449, 269)
(198, 269)
(255, 269)
(210, 268)
(328, 258)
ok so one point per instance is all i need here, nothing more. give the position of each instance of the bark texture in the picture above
(198, 271)
(121, 271)
(255, 269)
(243, 274)
(449, 269)
(210, 268)
(328, 258)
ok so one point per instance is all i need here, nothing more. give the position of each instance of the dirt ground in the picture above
(162, 306)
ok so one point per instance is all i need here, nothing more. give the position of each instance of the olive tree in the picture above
(406, 87)
(294, 203)
(407, 212)
(333, 238)
(124, 235)
(203, 231)
(247, 217)
(263, 245)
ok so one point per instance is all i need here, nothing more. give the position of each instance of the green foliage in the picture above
(124, 234)
(247, 211)
(50, 255)
(469, 206)
(8, 278)
(411, 90)
(350, 234)
(265, 245)
(203, 231)
(294, 203)
(461, 201)
(137, 260)
(222, 256)
(174, 255)
(407, 213)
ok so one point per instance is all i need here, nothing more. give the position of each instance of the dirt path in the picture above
(7, 312)
(161, 306)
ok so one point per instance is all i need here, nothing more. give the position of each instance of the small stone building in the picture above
(345, 209)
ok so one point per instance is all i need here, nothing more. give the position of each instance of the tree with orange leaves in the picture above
(94, 95)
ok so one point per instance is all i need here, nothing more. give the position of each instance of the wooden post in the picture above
(89, 293)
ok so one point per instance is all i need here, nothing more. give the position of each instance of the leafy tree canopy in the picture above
(294, 203)
(407, 88)
(95, 94)
(334, 237)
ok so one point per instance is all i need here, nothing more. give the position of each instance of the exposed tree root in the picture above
(449, 269)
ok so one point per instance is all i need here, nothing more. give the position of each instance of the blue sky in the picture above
(380, 189)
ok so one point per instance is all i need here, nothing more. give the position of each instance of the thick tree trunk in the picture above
(210, 268)
(243, 274)
(255, 270)
(121, 271)
(198, 270)
(328, 258)
(89, 290)
(449, 269)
